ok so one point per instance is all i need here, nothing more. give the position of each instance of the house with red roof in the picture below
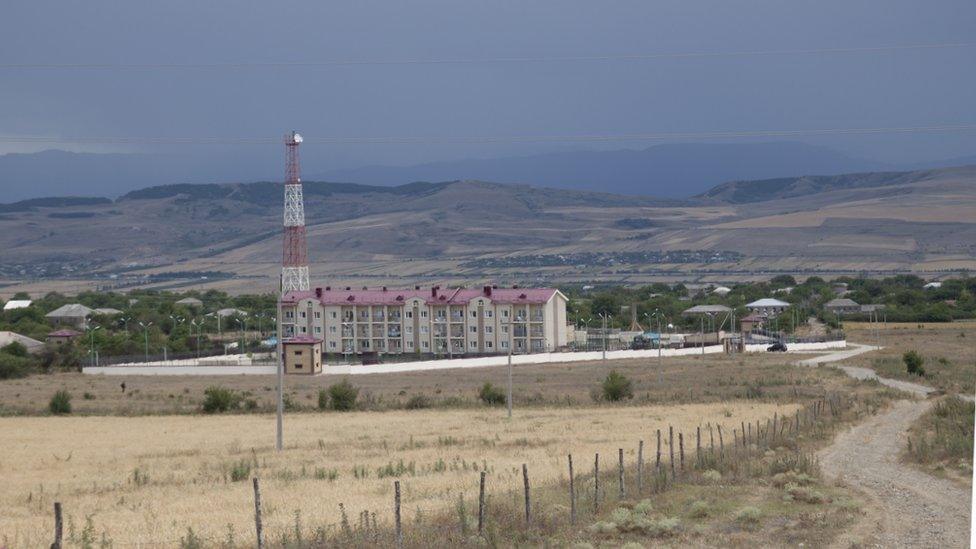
(428, 321)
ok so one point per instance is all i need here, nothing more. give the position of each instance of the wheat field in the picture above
(142, 481)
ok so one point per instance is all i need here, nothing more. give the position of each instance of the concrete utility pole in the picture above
(509, 400)
(279, 436)
(145, 331)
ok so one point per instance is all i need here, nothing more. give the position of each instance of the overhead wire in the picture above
(485, 60)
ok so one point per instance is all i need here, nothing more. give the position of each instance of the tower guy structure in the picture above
(294, 260)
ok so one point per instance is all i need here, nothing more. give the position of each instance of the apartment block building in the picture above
(456, 321)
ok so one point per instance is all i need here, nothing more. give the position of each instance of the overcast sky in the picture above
(736, 93)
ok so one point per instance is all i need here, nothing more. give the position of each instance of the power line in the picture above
(481, 60)
(744, 134)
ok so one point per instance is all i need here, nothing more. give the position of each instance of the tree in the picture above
(605, 303)
(913, 363)
(343, 395)
(617, 387)
(491, 395)
(14, 348)
(60, 403)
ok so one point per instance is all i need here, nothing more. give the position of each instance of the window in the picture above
(409, 314)
(426, 345)
(488, 314)
(303, 314)
(504, 329)
(298, 366)
(318, 329)
(318, 314)
(474, 345)
(474, 329)
(489, 344)
(408, 329)
(332, 329)
(333, 314)
(504, 345)
(303, 329)
(423, 314)
(424, 329)
(488, 329)
(474, 314)
(298, 353)
(289, 314)
(332, 345)
(505, 313)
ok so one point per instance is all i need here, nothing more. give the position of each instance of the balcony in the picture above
(520, 331)
(536, 331)
(347, 331)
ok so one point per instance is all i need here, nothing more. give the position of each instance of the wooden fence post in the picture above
(796, 423)
(396, 515)
(620, 472)
(657, 460)
(745, 441)
(735, 438)
(572, 492)
(58, 526)
(596, 482)
(525, 482)
(721, 443)
(749, 437)
(711, 440)
(671, 448)
(257, 513)
(681, 447)
(640, 467)
(698, 460)
(481, 505)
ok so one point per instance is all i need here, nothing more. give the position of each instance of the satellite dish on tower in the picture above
(296, 137)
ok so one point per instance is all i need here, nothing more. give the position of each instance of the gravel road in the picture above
(907, 508)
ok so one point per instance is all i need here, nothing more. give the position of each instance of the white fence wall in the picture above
(244, 367)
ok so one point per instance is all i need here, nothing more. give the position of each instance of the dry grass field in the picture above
(145, 480)
(949, 350)
(679, 380)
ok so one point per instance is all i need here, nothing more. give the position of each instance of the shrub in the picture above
(913, 363)
(343, 395)
(217, 399)
(712, 475)
(418, 402)
(323, 399)
(699, 509)
(60, 403)
(12, 366)
(491, 395)
(15, 348)
(749, 515)
(617, 387)
(240, 471)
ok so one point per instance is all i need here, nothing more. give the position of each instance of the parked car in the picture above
(778, 347)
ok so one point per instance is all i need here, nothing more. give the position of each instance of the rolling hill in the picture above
(464, 231)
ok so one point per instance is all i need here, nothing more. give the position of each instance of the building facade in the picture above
(455, 321)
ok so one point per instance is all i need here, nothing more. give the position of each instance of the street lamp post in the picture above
(197, 326)
(606, 317)
(145, 329)
(91, 334)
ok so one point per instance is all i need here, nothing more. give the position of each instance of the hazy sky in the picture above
(760, 92)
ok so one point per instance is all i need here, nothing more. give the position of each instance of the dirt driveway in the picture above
(907, 508)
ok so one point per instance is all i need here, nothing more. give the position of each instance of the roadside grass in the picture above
(680, 380)
(948, 350)
(941, 441)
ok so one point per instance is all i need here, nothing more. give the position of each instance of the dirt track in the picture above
(907, 508)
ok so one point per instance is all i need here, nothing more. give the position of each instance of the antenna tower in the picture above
(294, 261)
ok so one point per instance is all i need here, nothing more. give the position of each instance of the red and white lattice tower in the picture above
(294, 261)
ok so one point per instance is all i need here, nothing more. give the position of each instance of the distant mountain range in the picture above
(672, 171)
(475, 231)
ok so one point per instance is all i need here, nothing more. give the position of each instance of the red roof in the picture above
(64, 333)
(450, 296)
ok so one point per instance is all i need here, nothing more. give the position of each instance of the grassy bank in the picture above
(941, 441)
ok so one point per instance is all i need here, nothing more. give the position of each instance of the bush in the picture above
(60, 403)
(218, 400)
(418, 402)
(12, 366)
(491, 395)
(323, 399)
(699, 509)
(617, 387)
(343, 395)
(14, 348)
(913, 363)
(748, 515)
